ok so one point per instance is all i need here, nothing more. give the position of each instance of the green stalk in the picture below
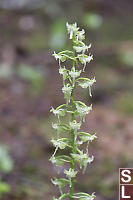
(72, 133)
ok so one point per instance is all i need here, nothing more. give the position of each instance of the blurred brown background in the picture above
(30, 30)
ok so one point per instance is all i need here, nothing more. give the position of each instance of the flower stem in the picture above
(72, 133)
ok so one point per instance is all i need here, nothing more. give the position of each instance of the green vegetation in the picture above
(6, 165)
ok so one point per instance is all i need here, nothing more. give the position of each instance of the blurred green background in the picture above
(30, 30)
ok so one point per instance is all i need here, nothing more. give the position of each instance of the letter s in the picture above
(125, 174)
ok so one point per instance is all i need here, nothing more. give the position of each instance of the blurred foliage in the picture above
(4, 188)
(127, 58)
(58, 36)
(36, 42)
(34, 76)
(6, 71)
(92, 20)
(6, 165)
(124, 103)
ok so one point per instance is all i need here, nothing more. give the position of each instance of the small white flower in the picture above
(56, 56)
(70, 173)
(72, 28)
(92, 137)
(60, 182)
(60, 127)
(83, 159)
(63, 71)
(61, 58)
(58, 112)
(57, 127)
(74, 74)
(87, 83)
(56, 161)
(86, 138)
(75, 125)
(83, 110)
(67, 90)
(85, 59)
(59, 143)
(88, 59)
(80, 35)
(82, 48)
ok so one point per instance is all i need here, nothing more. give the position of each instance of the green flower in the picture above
(60, 127)
(87, 83)
(83, 110)
(58, 112)
(59, 160)
(72, 29)
(67, 90)
(60, 182)
(87, 138)
(60, 143)
(80, 35)
(70, 173)
(63, 71)
(61, 58)
(75, 125)
(83, 159)
(74, 74)
(82, 49)
(85, 59)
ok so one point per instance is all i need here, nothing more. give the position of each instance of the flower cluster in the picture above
(78, 110)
